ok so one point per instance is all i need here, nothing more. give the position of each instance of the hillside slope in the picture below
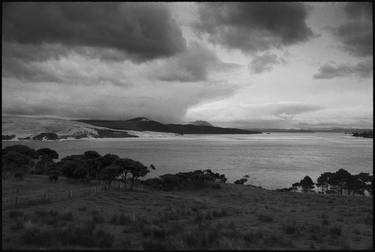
(145, 124)
(34, 127)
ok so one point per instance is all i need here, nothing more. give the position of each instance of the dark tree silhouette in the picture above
(16, 164)
(341, 179)
(242, 180)
(109, 173)
(91, 154)
(53, 173)
(324, 180)
(22, 149)
(43, 165)
(46, 153)
(307, 184)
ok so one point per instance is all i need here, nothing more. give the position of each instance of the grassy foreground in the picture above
(230, 217)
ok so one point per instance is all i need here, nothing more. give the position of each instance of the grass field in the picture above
(232, 217)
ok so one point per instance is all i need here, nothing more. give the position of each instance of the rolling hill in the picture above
(145, 124)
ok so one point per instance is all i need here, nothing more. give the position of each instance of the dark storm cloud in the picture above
(265, 62)
(192, 65)
(331, 70)
(358, 10)
(254, 26)
(356, 35)
(142, 30)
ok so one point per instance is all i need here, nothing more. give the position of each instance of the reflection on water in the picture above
(272, 160)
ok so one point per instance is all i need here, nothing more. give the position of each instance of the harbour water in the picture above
(272, 161)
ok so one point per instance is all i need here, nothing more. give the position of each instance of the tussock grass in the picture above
(83, 235)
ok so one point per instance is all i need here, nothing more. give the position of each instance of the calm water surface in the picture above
(273, 160)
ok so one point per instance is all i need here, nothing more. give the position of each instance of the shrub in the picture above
(198, 217)
(154, 231)
(335, 231)
(290, 228)
(17, 226)
(15, 214)
(121, 220)
(67, 216)
(98, 219)
(151, 244)
(216, 186)
(220, 213)
(82, 235)
(82, 209)
(104, 239)
(252, 237)
(265, 218)
(35, 236)
(325, 222)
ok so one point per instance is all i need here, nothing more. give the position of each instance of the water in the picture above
(272, 160)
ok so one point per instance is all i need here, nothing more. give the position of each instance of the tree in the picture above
(43, 165)
(109, 173)
(130, 166)
(101, 162)
(91, 154)
(242, 180)
(16, 164)
(324, 180)
(307, 184)
(341, 179)
(53, 173)
(46, 153)
(22, 149)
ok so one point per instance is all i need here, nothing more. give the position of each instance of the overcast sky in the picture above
(249, 65)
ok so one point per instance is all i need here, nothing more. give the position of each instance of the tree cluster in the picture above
(340, 180)
(20, 159)
(197, 178)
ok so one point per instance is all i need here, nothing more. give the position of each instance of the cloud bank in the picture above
(144, 31)
(331, 70)
(356, 35)
(253, 27)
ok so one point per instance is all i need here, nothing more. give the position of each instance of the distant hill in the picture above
(34, 128)
(145, 124)
(201, 123)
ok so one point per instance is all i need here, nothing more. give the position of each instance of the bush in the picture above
(67, 216)
(151, 244)
(154, 231)
(35, 236)
(265, 218)
(252, 237)
(199, 217)
(17, 226)
(216, 186)
(98, 219)
(290, 228)
(121, 220)
(219, 213)
(335, 231)
(104, 239)
(15, 214)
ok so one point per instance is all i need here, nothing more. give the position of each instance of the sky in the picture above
(248, 65)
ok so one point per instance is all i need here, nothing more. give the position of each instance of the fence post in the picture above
(71, 194)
